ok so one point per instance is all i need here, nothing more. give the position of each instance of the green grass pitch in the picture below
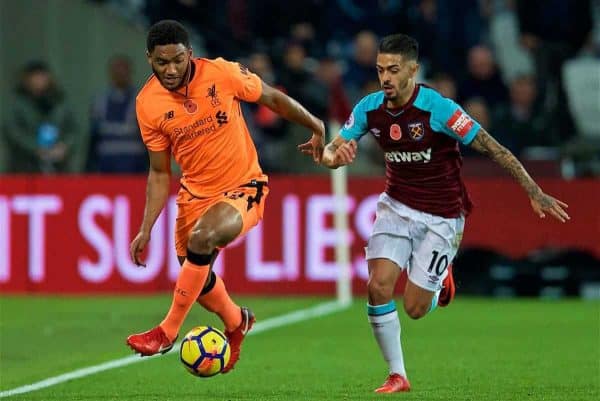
(476, 349)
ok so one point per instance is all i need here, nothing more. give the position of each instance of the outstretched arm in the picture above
(157, 192)
(293, 111)
(540, 202)
(339, 152)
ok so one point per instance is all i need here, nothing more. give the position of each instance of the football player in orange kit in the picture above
(190, 107)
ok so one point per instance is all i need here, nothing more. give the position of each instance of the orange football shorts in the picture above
(248, 199)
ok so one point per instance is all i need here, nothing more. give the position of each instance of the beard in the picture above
(171, 87)
(393, 95)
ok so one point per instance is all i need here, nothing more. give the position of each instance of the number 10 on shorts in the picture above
(439, 263)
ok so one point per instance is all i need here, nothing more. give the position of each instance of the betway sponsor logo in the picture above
(409, 157)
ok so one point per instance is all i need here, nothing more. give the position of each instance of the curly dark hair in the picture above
(167, 32)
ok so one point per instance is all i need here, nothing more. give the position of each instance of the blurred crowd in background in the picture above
(527, 70)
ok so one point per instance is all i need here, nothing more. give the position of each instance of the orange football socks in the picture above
(217, 300)
(187, 288)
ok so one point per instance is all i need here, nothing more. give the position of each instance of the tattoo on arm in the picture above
(487, 145)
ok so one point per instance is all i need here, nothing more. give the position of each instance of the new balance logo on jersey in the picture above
(408, 157)
(221, 117)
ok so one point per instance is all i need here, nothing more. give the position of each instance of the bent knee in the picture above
(416, 310)
(202, 240)
(380, 291)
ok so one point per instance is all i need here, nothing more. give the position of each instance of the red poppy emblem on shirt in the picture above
(395, 132)
(190, 106)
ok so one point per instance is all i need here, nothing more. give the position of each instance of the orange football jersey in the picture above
(205, 131)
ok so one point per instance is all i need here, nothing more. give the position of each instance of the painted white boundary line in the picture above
(261, 326)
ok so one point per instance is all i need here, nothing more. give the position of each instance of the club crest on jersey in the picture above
(416, 131)
(349, 122)
(213, 95)
(395, 132)
(190, 106)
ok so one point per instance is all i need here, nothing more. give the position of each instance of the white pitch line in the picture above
(261, 326)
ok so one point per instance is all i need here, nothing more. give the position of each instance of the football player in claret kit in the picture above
(190, 108)
(421, 214)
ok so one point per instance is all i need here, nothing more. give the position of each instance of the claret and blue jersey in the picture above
(420, 145)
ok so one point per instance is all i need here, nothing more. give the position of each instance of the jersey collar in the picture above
(397, 111)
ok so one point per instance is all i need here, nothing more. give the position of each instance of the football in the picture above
(204, 351)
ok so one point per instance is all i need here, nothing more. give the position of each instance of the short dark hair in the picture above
(400, 44)
(167, 32)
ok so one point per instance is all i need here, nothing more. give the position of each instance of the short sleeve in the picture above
(154, 139)
(448, 117)
(356, 125)
(246, 85)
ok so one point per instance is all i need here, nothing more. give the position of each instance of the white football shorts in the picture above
(423, 243)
